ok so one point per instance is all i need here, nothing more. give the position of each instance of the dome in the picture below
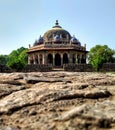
(35, 43)
(79, 43)
(75, 40)
(56, 38)
(40, 40)
(56, 30)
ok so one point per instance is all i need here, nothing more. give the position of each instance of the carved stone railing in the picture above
(37, 68)
(57, 45)
(78, 67)
(64, 45)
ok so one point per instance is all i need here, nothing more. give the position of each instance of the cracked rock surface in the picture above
(57, 101)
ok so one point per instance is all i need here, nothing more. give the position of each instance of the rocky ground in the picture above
(57, 101)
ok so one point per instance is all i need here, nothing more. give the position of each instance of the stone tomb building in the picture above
(57, 47)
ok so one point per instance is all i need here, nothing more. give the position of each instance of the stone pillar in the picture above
(76, 59)
(44, 58)
(80, 58)
(38, 59)
(34, 59)
(61, 59)
(70, 58)
(29, 60)
(53, 59)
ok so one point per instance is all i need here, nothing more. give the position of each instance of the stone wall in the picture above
(108, 67)
(78, 67)
(4, 69)
(37, 68)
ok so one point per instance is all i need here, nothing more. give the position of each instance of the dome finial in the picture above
(56, 23)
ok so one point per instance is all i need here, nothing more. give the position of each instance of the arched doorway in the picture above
(36, 59)
(74, 59)
(50, 59)
(65, 58)
(78, 58)
(83, 59)
(57, 60)
(31, 60)
(40, 58)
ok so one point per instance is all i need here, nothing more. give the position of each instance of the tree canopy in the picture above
(3, 59)
(17, 59)
(99, 55)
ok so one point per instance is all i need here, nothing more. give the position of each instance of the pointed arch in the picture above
(36, 59)
(65, 58)
(40, 59)
(74, 58)
(57, 60)
(50, 59)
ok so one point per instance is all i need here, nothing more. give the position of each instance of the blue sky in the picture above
(23, 21)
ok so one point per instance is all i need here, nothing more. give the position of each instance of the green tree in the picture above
(23, 57)
(3, 59)
(99, 55)
(17, 59)
(20, 50)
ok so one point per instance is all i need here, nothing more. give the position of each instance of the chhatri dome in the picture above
(57, 47)
(56, 30)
